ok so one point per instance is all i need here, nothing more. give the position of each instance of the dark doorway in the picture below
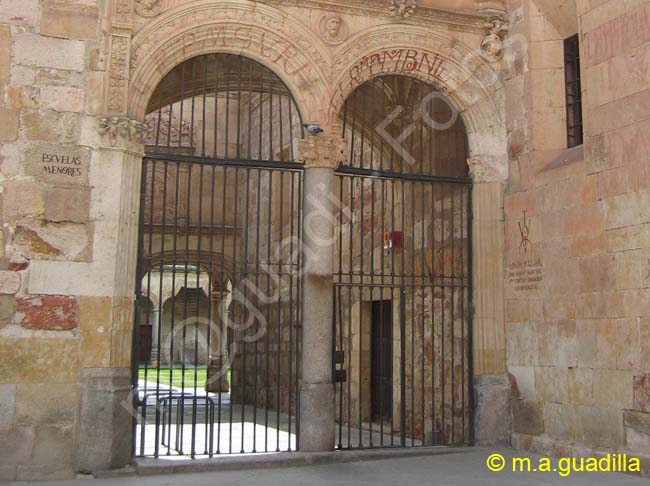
(382, 361)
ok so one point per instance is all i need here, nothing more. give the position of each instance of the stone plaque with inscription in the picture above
(525, 274)
(58, 163)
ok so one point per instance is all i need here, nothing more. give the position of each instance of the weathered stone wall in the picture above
(577, 261)
(49, 64)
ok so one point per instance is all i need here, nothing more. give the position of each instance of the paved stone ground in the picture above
(458, 469)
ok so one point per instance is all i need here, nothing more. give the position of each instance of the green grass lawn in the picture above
(175, 377)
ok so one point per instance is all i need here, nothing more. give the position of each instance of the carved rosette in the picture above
(148, 8)
(120, 131)
(492, 43)
(401, 8)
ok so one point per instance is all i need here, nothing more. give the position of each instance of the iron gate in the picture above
(218, 286)
(402, 292)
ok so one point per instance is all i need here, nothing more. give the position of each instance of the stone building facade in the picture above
(560, 237)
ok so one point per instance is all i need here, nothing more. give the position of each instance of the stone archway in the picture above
(316, 75)
(256, 31)
(479, 95)
(459, 71)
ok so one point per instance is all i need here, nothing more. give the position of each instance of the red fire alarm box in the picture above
(392, 239)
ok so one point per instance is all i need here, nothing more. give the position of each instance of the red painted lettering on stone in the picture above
(245, 38)
(410, 63)
(215, 35)
(263, 48)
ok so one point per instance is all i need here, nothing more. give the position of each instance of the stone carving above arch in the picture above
(148, 8)
(492, 43)
(402, 8)
(260, 32)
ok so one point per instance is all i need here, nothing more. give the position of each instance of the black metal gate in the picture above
(404, 270)
(218, 285)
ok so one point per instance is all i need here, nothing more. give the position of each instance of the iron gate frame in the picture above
(438, 175)
(238, 163)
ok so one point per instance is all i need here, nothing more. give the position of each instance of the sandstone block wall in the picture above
(577, 246)
(58, 311)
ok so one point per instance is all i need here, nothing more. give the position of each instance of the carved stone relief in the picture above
(118, 76)
(333, 29)
(492, 43)
(118, 131)
(148, 8)
(401, 8)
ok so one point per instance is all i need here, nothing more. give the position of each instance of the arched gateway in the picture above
(220, 307)
(294, 293)
(403, 271)
(218, 292)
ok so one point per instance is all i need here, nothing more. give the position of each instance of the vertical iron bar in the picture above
(443, 280)
(402, 340)
(279, 299)
(267, 269)
(470, 332)
(240, 277)
(244, 341)
(210, 303)
(136, 337)
(223, 325)
(257, 297)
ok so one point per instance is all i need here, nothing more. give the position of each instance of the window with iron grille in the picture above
(573, 91)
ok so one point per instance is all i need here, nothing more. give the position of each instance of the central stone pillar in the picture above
(321, 153)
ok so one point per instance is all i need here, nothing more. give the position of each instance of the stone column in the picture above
(321, 153)
(217, 370)
(491, 382)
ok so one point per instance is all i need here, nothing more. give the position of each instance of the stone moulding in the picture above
(470, 20)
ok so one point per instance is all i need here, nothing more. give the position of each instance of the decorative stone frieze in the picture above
(118, 74)
(119, 131)
(492, 43)
(122, 13)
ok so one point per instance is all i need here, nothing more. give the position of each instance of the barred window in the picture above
(573, 91)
